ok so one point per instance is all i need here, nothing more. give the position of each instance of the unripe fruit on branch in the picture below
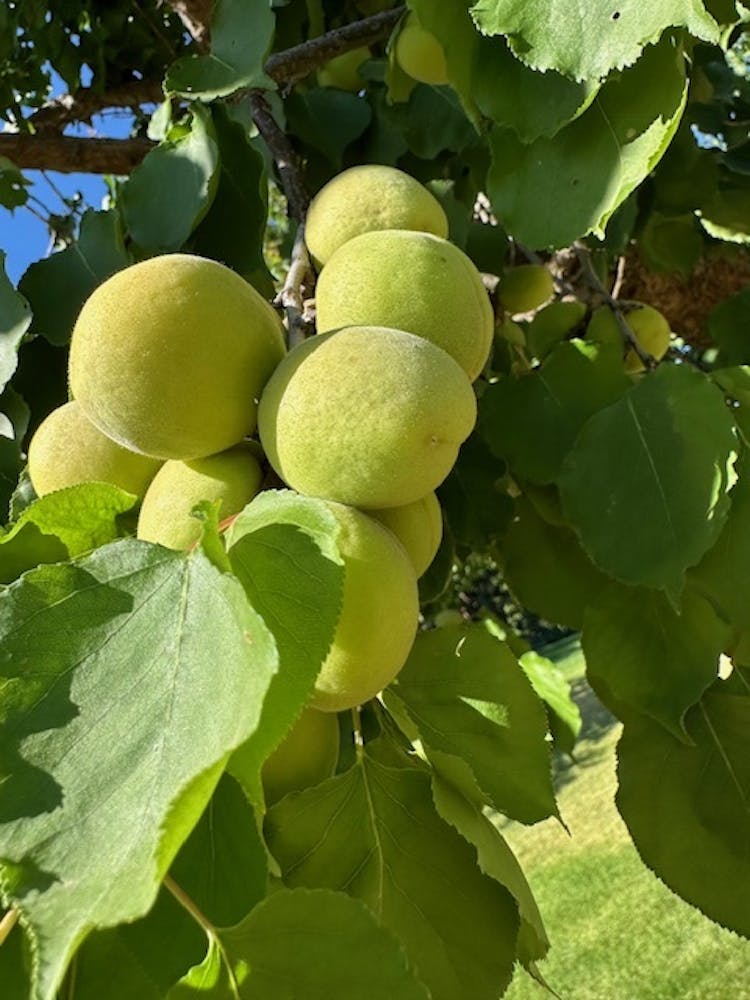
(419, 528)
(525, 288)
(366, 198)
(650, 327)
(306, 756)
(368, 416)
(379, 612)
(67, 449)
(169, 356)
(552, 324)
(342, 71)
(409, 281)
(419, 54)
(232, 477)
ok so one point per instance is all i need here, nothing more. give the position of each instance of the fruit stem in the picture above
(359, 740)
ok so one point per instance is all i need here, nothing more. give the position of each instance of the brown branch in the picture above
(68, 155)
(196, 16)
(281, 149)
(84, 103)
(300, 279)
(294, 64)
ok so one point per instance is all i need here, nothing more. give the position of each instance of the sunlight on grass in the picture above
(617, 932)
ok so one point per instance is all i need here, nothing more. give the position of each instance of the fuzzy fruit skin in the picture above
(367, 416)
(525, 288)
(306, 756)
(420, 55)
(379, 614)
(366, 198)
(409, 281)
(67, 449)
(648, 324)
(419, 528)
(232, 477)
(342, 71)
(169, 356)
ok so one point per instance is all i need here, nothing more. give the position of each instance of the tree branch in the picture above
(81, 105)
(281, 149)
(67, 154)
(196, 16)
(293, 64)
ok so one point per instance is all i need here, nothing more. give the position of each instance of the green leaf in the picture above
(426, 106)
(727, 325)
(450, 23)
(563, 714)
(15, 319)
(591, 166)
(142, 959)
(477, 511)
(496, 859)
(233, 230)
(15, 966)
(241, 36)
(284, 551)
(532, 104)
(13, 184)
(222, 865)
(110, 754)
(532, 421)
(467, 695)
(57, 286)
(374, 833)
(168, 194)
(646, 482)
(643, 654)
(586, 41)
(328, 119)
(687, 806)
(723, 575)
(306, 943)
(671, 243)
(546, 568)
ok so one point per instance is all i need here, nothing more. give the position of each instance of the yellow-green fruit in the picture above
(366, 198)
(232, 477)
(379, 612)
(342, 72)
(169, 356)
(409, 281)
(306, 756)
(368, 416)
(418, 526)
(650, 327)
(420, 55)
(67, 449)
(552, 324)
(525, 288)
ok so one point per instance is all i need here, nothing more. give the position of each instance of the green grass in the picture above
(617, 932)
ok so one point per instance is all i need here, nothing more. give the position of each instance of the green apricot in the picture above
(306, 756)
(365, 198)
(419, 528)
(409, 281)
(367, 416)
(232, 477)
(525, 288)
(650, 327)
(169, 356)
(379, 614)
(343, 71)
(552, 324)
(419, 54)
(67, 449)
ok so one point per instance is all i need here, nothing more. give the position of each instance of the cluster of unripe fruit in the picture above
(176, 361)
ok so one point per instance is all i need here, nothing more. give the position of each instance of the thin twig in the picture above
(589, 273)
(300, 279)
(294, 64)
(619, 276)
(7, 924)
(359, 740)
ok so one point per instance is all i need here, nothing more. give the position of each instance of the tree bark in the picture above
(68, 154)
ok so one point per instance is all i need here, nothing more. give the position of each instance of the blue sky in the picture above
(23, 236)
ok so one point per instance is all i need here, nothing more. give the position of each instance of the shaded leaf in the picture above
(15, 319)
(328, 119)
(646, 482)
